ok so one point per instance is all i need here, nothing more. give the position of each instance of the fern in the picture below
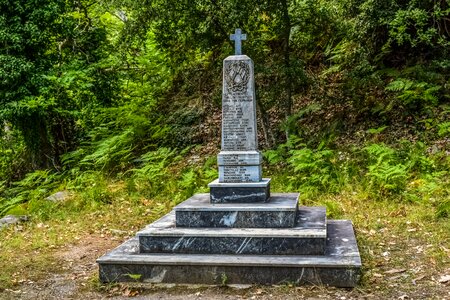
(385, 173)
(315, 170)
(443, 209)
(112, 152)
(35, 185)
(413, 92)
(444, 129)
(154, 173)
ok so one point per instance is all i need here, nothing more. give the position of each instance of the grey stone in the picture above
(59, 196)
(239, 192)
(239, 159)
(10, 220)
(340, 266)
(238, 37)
(239, 131)
(279, 211)
(222, 244)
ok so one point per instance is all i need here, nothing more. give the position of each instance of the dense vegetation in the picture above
(351, 95)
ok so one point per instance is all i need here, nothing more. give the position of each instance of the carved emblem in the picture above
(237, 75)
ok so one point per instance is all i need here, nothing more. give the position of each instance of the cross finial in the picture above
(238, 37)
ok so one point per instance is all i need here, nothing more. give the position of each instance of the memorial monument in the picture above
(239, 232)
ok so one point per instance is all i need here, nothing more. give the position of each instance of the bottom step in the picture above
(340, 266)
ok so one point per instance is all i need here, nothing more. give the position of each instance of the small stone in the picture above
(10, 219)
(444, 279)
(59, 196)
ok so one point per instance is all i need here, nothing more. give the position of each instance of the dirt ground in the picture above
(78, 272)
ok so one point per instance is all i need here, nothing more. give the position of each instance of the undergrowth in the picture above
(408, 172)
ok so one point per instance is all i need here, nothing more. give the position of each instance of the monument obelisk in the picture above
(240, 176)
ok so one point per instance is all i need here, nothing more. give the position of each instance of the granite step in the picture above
(280, 211)
(308, 237)
(340, 265)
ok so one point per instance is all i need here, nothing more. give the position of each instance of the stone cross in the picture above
(238, 37)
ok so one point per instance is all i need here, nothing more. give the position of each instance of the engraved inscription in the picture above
(237, 174)
(237, 128)
(238, 111)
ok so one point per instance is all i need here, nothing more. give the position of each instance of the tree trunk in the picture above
(265, 125)
(287, 103)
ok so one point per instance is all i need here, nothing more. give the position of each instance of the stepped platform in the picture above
(338, 266)
(307, 237)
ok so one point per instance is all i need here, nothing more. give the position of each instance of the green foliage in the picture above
(34, 187)
(135, 277)
(92, 188)
(315, 170)
(113, 152)
(94, 93)
(154, 175)
(443, 209)
(415, 92)
(386, 174)
(444, 129)
(58, 60)
(411, 25)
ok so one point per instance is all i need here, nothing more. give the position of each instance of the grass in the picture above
(31, 247)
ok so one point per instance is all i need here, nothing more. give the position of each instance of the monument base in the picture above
(247, 192)
(340, 266)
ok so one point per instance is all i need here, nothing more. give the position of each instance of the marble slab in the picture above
(340, 265)
(279, 211)
(163, 237)
(245, 192)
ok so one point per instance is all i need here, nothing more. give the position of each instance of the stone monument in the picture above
(239, 232)
(240, 175)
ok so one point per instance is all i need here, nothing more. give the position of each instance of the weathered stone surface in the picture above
(163, 237)
(10, 220)
(340, 266)
(239, 192)
(59, 196)
(279, 211)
